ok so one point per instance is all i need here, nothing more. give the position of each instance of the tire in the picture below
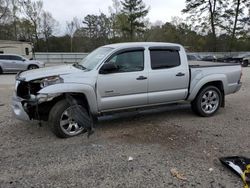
(207, 102)
(60, 123)
(244, 63)
(31, 67)
(1, 70)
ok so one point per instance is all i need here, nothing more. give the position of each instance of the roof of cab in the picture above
(140, 44)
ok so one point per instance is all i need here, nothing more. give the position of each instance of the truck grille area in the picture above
(25, 89)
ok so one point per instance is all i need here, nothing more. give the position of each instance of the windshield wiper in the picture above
(79, 66)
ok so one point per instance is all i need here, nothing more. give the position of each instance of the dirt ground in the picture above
(158, 140)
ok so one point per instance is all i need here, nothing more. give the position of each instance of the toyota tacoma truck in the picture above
(118, 77)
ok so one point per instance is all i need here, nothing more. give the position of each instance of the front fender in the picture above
(196, 85)
(87, 90)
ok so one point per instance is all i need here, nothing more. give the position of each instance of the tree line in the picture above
(210, 25)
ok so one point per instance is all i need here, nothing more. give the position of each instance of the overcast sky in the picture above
(65, 10)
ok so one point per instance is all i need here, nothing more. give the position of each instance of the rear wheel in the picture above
(207, 102)
(1, 70)
(31, 67)
(62, 123)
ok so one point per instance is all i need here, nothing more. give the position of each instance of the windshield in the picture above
(95, 57)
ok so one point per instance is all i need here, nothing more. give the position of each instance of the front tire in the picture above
(1, 70)
(244, 63)
(207, 102)
(31, 67)
(62, 124)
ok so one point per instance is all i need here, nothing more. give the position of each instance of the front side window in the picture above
(16, 58)
(163, 59)
(95, 57)
(130, 61)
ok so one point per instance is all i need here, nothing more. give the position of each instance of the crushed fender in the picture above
(240, 166)
(78, 113)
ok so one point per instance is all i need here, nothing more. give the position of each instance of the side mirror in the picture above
(108, 68)
(23, 59)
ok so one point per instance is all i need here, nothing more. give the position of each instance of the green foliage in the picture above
(131, 18)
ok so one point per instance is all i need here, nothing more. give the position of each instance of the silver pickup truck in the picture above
(119, 77)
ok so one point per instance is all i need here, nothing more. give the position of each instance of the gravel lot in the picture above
(158, 140)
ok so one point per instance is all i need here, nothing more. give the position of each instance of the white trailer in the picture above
(24, 49)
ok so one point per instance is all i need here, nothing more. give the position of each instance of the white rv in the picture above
(24, 49)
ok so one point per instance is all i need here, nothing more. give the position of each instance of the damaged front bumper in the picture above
(28, 109)
(18, 110)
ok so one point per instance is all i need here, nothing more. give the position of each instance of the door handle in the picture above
(180, 74)
(141, 78)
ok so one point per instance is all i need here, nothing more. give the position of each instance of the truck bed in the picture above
(230, 74)
(193, 64)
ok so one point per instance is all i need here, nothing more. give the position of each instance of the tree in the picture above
(234, 19)
(25, 30)
(33, 11)
(15, 10)
(72, 27)
(48, 24)
(207, 14)
(134, 11)
(4, 7)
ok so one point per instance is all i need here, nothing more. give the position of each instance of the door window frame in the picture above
(164, 48)
(124, 51)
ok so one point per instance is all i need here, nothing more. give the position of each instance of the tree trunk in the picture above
(71, 44)
(47, 43)
(235, 24)
(212, 8)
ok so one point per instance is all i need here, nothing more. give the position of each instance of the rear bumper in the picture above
(18, 110)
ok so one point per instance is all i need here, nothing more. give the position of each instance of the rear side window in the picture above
(5, 57)
(163, 59)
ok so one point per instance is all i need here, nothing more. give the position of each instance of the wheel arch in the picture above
(83, 93)
(32, 65)
(219, 83)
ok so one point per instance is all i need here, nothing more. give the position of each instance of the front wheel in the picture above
(31, 67)
(244, 63)
(207, 102)
(63, 123)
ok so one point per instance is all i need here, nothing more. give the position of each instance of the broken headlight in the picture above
(52, 80)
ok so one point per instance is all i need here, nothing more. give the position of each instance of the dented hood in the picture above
(48, 71)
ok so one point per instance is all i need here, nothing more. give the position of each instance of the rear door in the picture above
(127, 87)
(5, 63)
(168, 77)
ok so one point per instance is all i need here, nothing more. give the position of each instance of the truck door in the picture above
(127, 85)
(168, 77)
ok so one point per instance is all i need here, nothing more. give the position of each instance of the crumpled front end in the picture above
(27, 103)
